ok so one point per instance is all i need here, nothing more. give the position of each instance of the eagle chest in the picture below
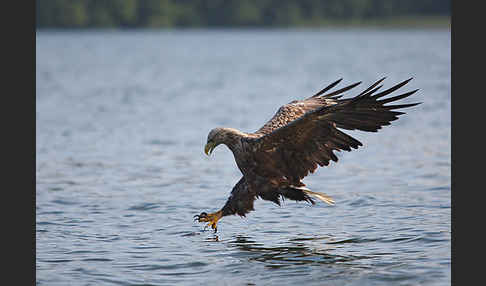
(256, 161)
(245, 157)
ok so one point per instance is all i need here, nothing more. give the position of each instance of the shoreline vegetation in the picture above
(252, 14)
(391, 22)
(422, 22)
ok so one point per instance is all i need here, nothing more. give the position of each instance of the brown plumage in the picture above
(301, 136)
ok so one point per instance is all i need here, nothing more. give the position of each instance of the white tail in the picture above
(323, 197)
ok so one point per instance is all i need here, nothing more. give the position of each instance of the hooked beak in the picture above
(209, 148)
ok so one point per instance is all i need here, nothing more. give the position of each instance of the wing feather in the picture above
(328, 87)
(296, 109)
(304, 134)
(342, 90)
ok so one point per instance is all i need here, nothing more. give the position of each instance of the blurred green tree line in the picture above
(232, 13)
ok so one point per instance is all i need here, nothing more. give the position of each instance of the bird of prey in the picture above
(301, 136)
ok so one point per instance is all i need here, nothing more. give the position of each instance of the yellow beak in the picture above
(209, 148)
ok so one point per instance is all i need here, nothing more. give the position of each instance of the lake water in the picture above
(121, 122)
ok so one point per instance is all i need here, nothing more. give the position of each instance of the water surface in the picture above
(121, 122)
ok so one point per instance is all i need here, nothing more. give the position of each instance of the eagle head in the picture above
(215, 137)
(221, 135)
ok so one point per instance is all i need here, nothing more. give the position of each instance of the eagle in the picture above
(301, 136)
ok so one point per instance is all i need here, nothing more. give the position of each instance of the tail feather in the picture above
(297, 193)
(321, 196)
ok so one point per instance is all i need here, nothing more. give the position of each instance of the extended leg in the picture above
(212, 219)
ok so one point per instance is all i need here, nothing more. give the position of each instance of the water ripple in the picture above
(121, 122)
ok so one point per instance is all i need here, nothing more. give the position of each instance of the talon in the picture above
(212, 219)
(200, 217)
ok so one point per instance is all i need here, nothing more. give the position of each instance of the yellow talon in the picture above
(211, 218)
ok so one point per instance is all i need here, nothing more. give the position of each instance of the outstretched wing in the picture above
(295, 109)
(297, 147)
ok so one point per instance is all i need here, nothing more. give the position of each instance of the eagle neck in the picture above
(233, 141)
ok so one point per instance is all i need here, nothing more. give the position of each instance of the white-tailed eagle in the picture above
(301, 136)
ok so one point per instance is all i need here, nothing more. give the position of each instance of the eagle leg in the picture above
(212, 219)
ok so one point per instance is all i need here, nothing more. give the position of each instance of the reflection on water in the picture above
(121, 122)
(292, 254)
